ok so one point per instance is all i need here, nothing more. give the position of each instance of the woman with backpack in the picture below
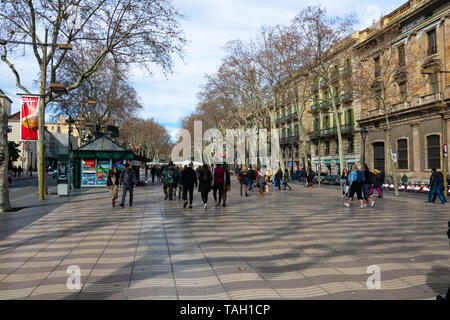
(355, 182)
(368, 181)
(205, 184)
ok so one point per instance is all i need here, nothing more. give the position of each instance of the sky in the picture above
(208, 26)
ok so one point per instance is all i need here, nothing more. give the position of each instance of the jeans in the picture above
(189, 189)
(218, 186)
(436, 190)
(126, 188)
(205, 197)
(250, 184)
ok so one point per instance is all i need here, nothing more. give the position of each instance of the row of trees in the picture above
(288, 65)
(117, 33)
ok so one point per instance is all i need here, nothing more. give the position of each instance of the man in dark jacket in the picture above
(436, 186)
(153, 173)
(188, 180)
(128, 182)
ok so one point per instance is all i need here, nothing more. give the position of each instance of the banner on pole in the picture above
(29, 119)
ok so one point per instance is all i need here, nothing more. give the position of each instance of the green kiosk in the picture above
(92, 162)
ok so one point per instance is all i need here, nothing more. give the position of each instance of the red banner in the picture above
(29, 119)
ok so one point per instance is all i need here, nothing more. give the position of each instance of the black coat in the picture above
(189, 177)
(204, 182)
(109, 182)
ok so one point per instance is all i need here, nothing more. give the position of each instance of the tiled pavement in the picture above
(298, 244)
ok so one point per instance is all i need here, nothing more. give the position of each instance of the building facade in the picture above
(418, 106)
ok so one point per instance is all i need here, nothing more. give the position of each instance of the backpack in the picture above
(170, 176)
(359, 177)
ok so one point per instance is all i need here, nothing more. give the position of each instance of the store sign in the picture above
(29, 119)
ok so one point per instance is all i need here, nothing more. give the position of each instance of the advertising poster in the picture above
(29, 119)
(120, 165)
(103, 167)
(142, 176)
(89, 175)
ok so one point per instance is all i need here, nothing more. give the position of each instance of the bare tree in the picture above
(386, 67)
(145, 33)
(323, 38)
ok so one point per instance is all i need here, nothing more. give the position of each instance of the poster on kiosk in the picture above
(29, 119)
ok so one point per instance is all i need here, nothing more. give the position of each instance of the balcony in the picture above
(289, 140)
(291, 116)
(430, 98)
(347, 128)
(280, 120)
(315, 107)
(347, 97)
(400, 106)
(328, 132)
(431, 51)
(337, 100)
(313, 135)
(325, 104)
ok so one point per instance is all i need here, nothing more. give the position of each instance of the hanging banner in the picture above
(29, 119)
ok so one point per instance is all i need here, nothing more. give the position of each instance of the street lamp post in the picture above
(54, 88)
(364, 132)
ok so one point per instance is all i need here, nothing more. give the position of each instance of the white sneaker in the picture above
(206, 206)
(371, 205)
(346, 204)
(361, 207)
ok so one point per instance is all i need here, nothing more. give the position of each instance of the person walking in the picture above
(355, 182)
(188, 180)
(286, 179)
(344, 184)
(277, 181)
(436, 186)
(113, 184)
(15, 171)
(310, 178)
(153, 173)
(219, 180)
(250, 178)
(204, 184)
(227, 185)
(242, 177)
(261, 182)
(127, 182)
(378, 183)
(367, 186)
(19, 170)
(168, 176)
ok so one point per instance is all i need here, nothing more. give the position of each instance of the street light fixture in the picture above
(364, 132)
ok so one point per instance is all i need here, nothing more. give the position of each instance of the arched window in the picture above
(402, 148)
(434, 151)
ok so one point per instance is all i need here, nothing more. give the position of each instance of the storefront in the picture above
(93, 161)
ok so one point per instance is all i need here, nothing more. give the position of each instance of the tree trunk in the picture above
(338, 129)
(280, 153)
(5, 205)
(303, 137)
(389, 142)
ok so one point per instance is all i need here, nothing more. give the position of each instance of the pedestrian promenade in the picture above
(299, 244)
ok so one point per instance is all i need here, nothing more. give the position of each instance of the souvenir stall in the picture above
(93, 161)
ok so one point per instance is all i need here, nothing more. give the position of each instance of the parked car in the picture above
(331, 179)
(316, 177)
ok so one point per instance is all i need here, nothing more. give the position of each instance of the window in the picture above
(402, 88)
(337, 147)
(401, 55)
(289, 131)
(278, 115)
(316, 124)
(432, 47)
(402, 149)
(283, 133)
(434, 151)
(317, 148)
(349, 117)
(350, 145)
(58, 129)
(434, 83)
(327, 148)
(326, 122)
(376, 61)
(282, 113)
(296, 130)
